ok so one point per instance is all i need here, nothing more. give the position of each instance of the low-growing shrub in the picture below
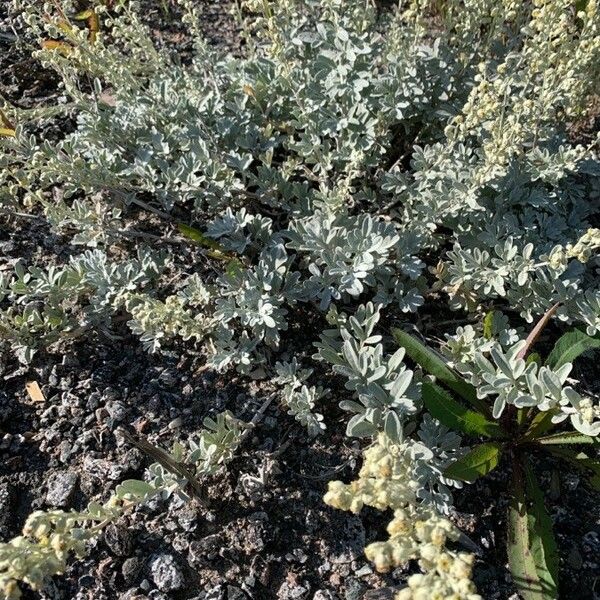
(355, 163)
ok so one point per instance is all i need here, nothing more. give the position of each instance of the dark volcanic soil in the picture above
(266, 533)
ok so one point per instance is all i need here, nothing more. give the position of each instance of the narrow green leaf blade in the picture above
(571, 345)
(545, 551)
(478, 462)
(520, 558)
(215, 250)
(451, 413)
(567, 437)
(197, 236)
(435, 365)
(532, 551)
(541, 423)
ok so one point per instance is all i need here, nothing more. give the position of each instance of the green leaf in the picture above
(454, 415)
(570, 346)
(532, 552)
(234, 267)
(215, 250)
(197, 236)
(488, 325)
(541, 423)
(521, 416)
(436, 366)
(567, 437)
(478, 462)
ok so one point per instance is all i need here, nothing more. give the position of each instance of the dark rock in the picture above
(53, 377)
(215, 593)
(188, 518)
(387, 593)
(575, 559)
(7, 499)
(65, 449)
(131, 570)
(86, 581)
(354, 590)
(61, 487)
(176, 423)
(323, 595)
(7, 409)
(235, 593)
(119, 540)
(132, 460)
(166, 574)
(93, 401)
(133, 594)
(292, 589)
(117, 411)
(103, 470)
(205, 549)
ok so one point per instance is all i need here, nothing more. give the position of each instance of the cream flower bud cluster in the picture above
(585, 247)
(154, 319)
(386, 480)
(553, 73)
(453, 584)
(48, 540)
(415, 534)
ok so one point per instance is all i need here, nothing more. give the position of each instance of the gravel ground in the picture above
(265, 534)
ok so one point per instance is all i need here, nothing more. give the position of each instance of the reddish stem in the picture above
(534, 334)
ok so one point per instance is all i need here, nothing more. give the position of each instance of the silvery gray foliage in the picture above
(461, 346)
(348, 160)
(486, 273)
(229, 349)
(499, 373)
(506, 235)
(588, 307)
(182, 314)
(96, 223)
(241, 231)
(204, 454)
(434, 450)
(216, 444)
(384, 387)
(345, 253)
(111, 281)
(300, 398)
(87, 291)
(357, 162)
(254, 298)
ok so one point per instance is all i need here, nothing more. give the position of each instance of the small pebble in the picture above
(131, 569)
(61, 487)
(176, 423)
(166, 574)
